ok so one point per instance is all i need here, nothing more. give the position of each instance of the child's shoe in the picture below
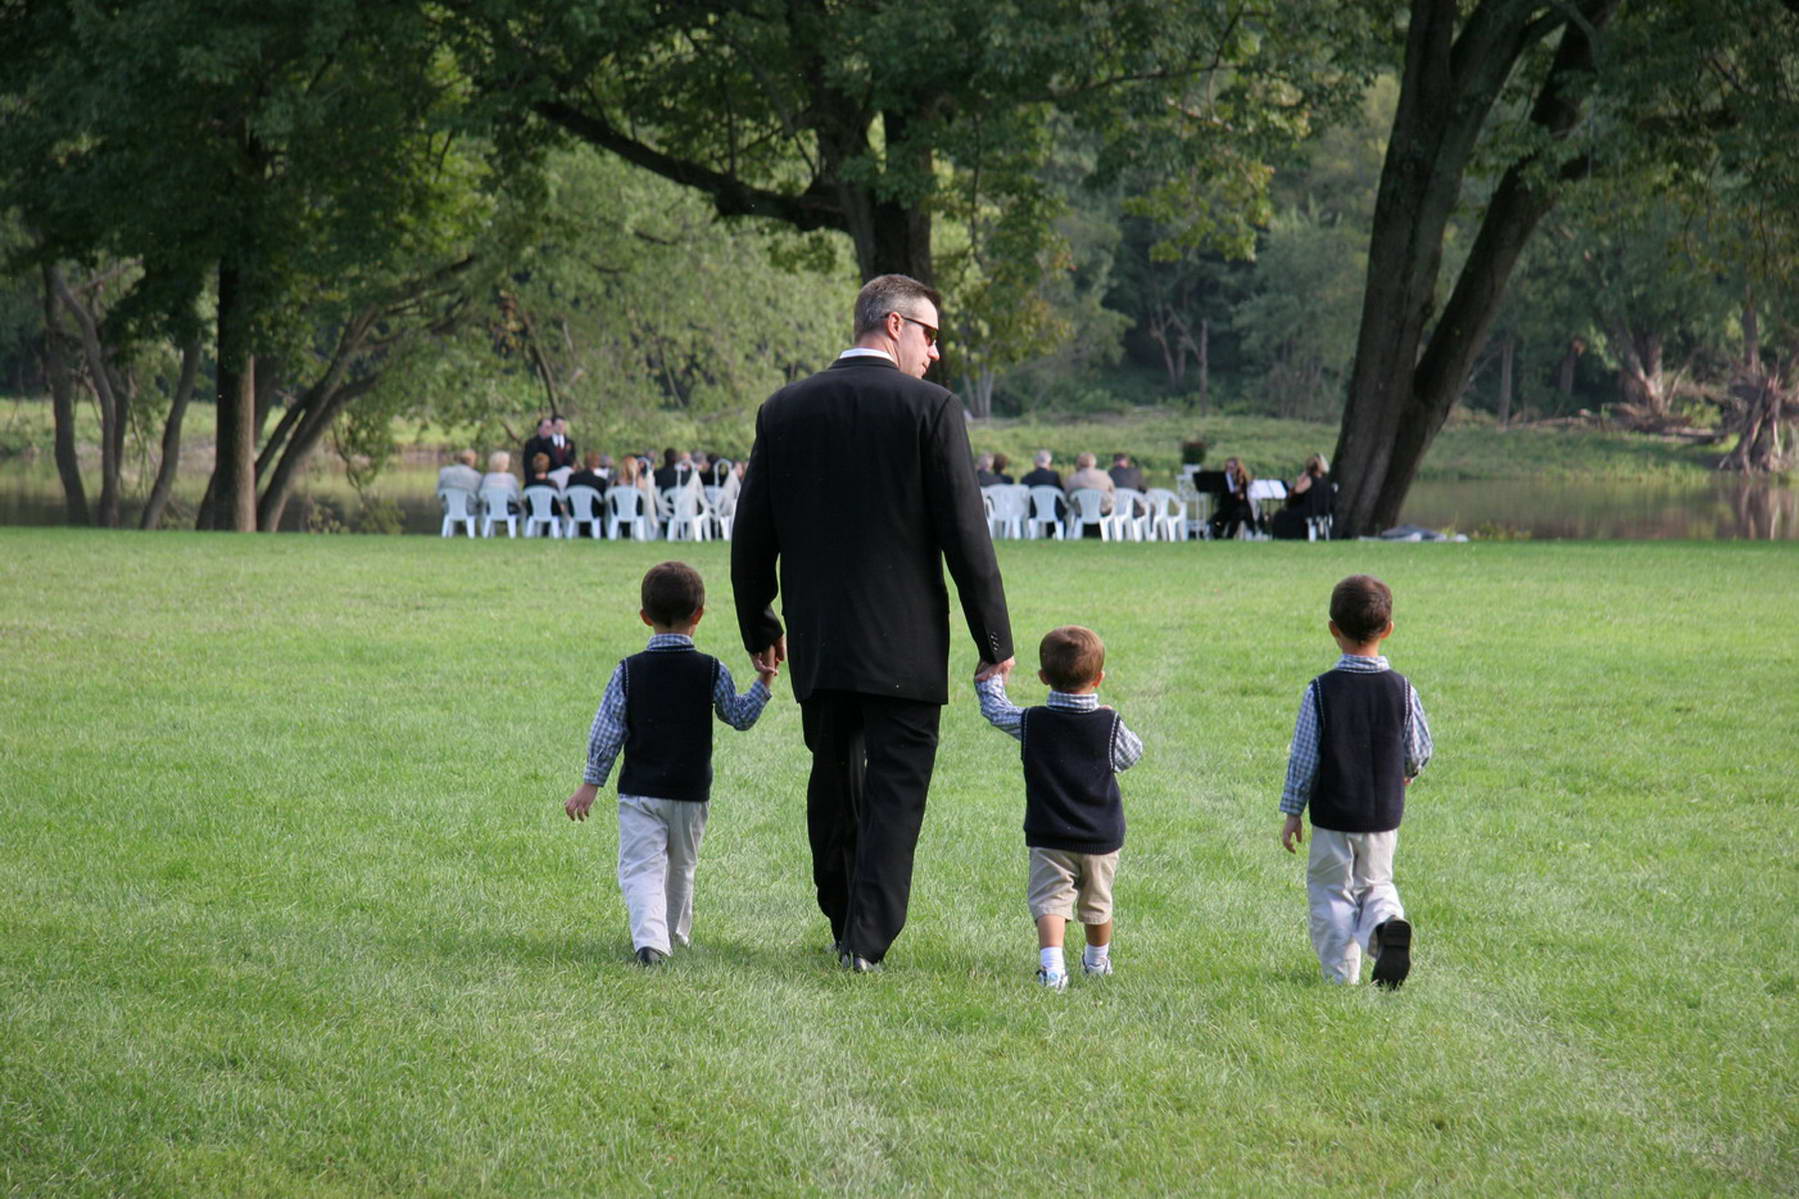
(1099, 969)
(1055, 980)
(1392, 946)
(650, 958)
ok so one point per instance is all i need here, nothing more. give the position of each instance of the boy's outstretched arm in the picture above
(740, 711)
(1302, 770)
(997, 707)
(604, 741)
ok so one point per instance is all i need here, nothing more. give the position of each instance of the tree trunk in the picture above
(171, 439)
(1641, 383)
(109, 395)
(1752, 335)
(1398, 396)
(230, 502)
(1508, 349)
(1205, 363)
(62, 407)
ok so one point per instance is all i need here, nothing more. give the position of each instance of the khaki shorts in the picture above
(1072, 885)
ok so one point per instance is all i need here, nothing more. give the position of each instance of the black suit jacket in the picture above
(586, 478)
(861, 487)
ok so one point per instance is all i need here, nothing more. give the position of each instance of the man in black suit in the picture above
(561, 448)
(537, 443)
(676, 469)
(861, 486)
(1043, 476)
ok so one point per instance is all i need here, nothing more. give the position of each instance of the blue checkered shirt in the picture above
(607, 737)
(1008, 717)
(1302, 758)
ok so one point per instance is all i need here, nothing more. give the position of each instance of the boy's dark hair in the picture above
(1361, 605)
(672, 592)
(1071, 656)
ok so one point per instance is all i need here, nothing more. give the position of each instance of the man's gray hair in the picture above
(1042, 458)
(890, 293)
(1083, 461)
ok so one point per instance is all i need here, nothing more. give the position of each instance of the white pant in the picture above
(658, 849)
(1349, 883)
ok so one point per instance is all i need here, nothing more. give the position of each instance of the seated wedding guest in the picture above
(593, 473)
(540, 475)
(1088, 477)
(460, 473)
(702, 468)
(590, 475)
(1125, 473)
(499, 477)
(1000, 462)
(1043, 476)
(631, 474)
(676, 469)
(983, 471)
(1309, 496)
(1233, 511)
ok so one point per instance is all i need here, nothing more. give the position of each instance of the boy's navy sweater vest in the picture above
(1361, 750)
(668, 725)
(1071, 799)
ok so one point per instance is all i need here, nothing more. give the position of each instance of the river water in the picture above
(1726, 507)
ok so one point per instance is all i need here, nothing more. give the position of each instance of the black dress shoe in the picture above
(855, 963)
(650, 957)
(1392, 945)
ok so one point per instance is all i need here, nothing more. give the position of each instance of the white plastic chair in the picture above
(540, 511)
(1008, 506)
(1044, 499)
(1167, 515)
(496, 508)
(1262, 491)
(584, 508)
(624, 509)
(1127, 523)
(1084, 509)
(688, 515)
(459, 505)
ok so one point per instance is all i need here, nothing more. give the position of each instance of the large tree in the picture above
(1411, 360)
(847, 117)
(292, 167)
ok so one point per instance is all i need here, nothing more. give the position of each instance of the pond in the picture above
(1727, 507)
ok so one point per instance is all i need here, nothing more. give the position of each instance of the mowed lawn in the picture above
(290, 905)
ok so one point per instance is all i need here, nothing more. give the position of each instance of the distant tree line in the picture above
(315, 215)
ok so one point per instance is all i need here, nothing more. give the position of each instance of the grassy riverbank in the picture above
(293, 909)
(1466, 449)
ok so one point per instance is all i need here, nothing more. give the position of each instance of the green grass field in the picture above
(291, 906)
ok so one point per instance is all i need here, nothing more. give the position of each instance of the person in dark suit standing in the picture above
(562, 448)
(860, 485)
(537, 443)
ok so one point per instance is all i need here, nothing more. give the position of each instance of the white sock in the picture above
(1097, 955)
(1051, 960)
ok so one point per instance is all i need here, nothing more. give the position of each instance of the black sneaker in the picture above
(1392, 945)
(855, 963)
(650, 957)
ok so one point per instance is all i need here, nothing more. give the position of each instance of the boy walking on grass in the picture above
(1360, 739)
(1073, 749)
(658, 709)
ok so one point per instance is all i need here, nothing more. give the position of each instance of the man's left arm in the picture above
(754, 549)
(960, 519)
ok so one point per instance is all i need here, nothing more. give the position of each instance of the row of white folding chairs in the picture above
(687, 513)
(1017, 511)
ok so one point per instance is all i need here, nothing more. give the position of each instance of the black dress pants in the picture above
(871, 766)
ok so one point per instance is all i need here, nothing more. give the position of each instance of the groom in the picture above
(861, 485)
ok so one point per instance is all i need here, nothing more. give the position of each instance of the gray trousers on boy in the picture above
(1349, 883)
(658, 848)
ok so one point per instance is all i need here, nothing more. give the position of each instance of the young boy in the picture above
(1073, 749)
(656, 709)
(1360, 739)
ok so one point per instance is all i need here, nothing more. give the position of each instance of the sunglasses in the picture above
(930, 331)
